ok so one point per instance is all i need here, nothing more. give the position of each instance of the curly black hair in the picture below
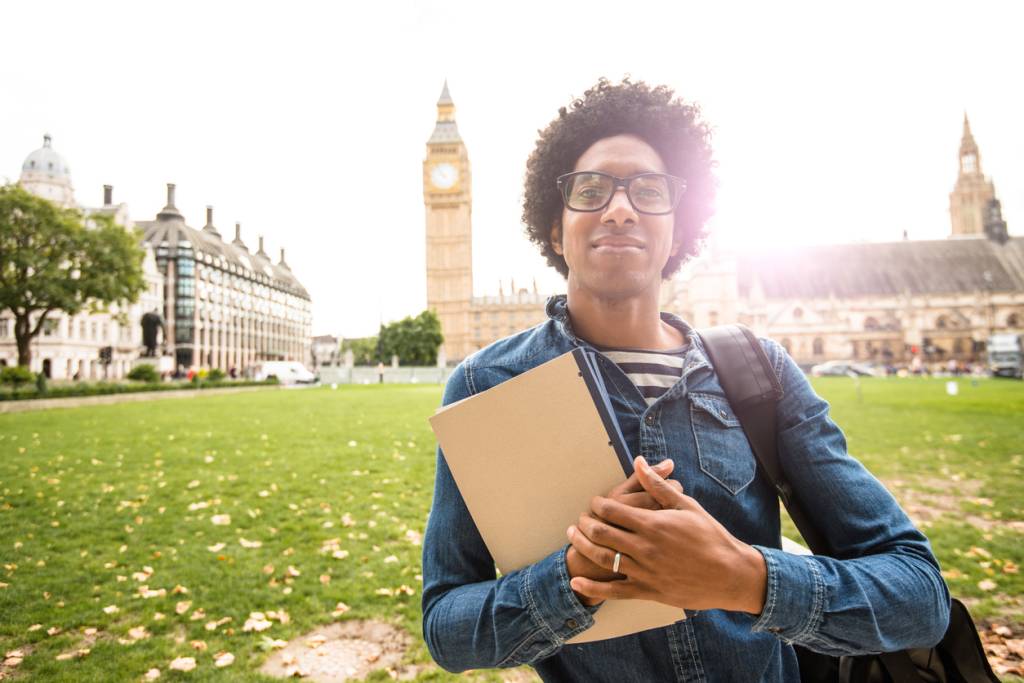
(669, 125)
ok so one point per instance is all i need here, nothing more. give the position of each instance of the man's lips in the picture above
(617, 242)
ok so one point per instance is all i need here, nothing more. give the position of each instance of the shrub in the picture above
(40, 383)
(215, 375)
(144, 373)
(16, 376)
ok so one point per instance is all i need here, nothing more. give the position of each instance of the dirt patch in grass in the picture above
(347, 651)
(927, 499)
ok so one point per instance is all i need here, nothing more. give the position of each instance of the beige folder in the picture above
(528, 455)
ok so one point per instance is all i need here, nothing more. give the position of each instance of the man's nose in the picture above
(619, 210)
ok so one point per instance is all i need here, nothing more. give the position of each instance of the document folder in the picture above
(528, 456)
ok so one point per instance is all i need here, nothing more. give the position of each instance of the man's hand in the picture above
(679, 555)
(629, 492)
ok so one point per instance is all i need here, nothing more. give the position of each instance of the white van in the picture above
(286, 372)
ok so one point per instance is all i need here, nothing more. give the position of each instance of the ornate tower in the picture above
(969, 200)
(447, 194)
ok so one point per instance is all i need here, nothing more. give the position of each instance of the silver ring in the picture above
(615, 564)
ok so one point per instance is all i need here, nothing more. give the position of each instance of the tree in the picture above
(53, 259)
(414, 340)
(364, 350)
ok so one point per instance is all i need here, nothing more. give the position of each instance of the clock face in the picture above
(444, 176)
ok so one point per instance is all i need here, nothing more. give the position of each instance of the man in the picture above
(617, 194)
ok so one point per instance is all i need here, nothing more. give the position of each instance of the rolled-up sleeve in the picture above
(880, 589)
(471, 617)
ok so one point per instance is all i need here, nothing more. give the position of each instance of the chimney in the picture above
(260, 251)
(169, 212)
(108, 195)
(282, 257)
(238, 237)
(209, 215)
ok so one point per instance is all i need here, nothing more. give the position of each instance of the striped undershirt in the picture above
(653, 372)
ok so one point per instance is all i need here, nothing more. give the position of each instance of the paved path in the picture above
(108, 399)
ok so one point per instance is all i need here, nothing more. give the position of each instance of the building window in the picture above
(942, 322)
(798, 313)
(712, 318)
(81, 329)
(1012, 320)
(50, 327)
(92, 330)
(788, 345)
(871, 323)
(818, 346)
(5, 327)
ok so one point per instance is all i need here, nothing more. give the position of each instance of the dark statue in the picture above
(151, 323)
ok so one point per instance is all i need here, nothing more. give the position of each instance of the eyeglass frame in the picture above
(680, 190)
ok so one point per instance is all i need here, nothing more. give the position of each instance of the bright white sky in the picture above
(307, 122)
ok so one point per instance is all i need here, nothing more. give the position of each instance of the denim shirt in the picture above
(882, 591)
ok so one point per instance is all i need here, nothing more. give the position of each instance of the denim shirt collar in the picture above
(696, 357)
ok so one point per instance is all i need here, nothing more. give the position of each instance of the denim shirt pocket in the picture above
(722, 447)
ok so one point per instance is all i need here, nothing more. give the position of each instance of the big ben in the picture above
(447, 197)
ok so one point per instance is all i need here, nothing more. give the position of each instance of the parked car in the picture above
(841, 368)
(286, 372)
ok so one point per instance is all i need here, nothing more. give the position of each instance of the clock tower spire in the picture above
(447, 198)
(969, 200)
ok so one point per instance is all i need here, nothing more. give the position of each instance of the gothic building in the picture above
(468, 323)
(884, 302)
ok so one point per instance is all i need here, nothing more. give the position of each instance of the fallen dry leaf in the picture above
(222, 659)
(182, 664)
(987, 584)
(221, 520)
(151, 675)
(111, 609)
(182, 606)
(257, 621)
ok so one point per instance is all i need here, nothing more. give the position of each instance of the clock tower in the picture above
(969, 200)
(448, 199)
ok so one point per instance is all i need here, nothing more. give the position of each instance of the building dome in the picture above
(46, 174)
(46, 160)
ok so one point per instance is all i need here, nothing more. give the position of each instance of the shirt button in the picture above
(649, 419)
(571, 624)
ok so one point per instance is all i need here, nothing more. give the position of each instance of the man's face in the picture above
(617, 252)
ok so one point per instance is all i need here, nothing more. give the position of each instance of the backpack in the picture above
(753, 390)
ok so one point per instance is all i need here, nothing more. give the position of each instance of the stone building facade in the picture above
(468, 323)
(68, 347)
(883, 302)
(223, 306)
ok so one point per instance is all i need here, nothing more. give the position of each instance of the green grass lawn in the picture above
(98, 502)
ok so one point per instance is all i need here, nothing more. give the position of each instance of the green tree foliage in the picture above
(414, 340)
(53, 259)
(364, 350)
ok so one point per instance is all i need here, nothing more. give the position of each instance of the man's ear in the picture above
(556, 238)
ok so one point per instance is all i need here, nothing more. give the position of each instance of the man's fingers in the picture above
(595, 551)
(632, 484)
(656, 486)
(621, 515)
(606, 590)
(639, 500)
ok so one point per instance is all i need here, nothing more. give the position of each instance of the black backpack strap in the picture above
(753, 390)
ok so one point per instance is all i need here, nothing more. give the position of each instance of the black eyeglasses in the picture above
(654, 194)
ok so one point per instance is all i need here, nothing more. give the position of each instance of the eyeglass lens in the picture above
(591, 191)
